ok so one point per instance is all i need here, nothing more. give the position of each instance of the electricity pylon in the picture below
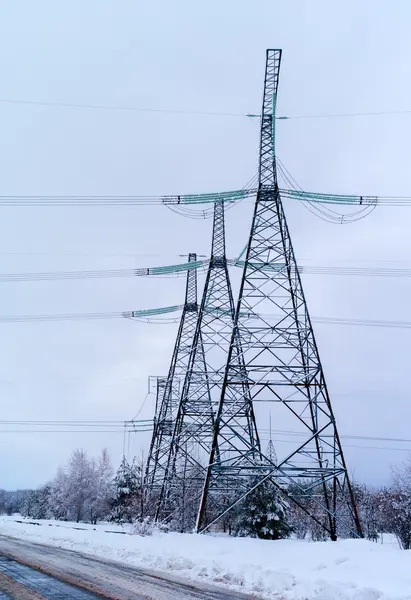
(194, 427)
(270, 451)
(169, 388)
(283, 369)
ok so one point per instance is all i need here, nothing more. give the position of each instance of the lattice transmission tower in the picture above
(169, 388)
(283, 372)
(194, 428)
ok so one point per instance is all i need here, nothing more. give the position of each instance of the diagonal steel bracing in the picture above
(169, 388)
(283, 371)
(194, 429)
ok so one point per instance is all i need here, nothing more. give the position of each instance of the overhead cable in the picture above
(159, 311)
(182, 111)
(185, 201)
(178, 269)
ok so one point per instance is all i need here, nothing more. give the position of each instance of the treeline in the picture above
(12, 502)
(88, 489)
(380, 510)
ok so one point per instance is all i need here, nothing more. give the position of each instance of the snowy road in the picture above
(20, 582)
(108, 579)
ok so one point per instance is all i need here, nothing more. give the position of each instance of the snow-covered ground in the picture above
(281, 570)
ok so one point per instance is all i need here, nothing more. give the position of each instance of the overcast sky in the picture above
(338, 57)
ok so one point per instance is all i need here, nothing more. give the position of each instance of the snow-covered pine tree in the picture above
(128, 493)
(263, 514)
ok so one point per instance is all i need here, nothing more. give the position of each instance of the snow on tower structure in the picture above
(283, 371)
(169, 388)
(194, 427)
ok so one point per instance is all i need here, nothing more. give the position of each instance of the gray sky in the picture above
(337, 57)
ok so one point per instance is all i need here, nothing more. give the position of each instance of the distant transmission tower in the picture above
(194, 428)
(271, 453)
(283, 370)
(169, 388)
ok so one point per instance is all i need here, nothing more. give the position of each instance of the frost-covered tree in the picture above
(81, 475)
(401, 517)
(367, 501)
(402, 476)
(104, 487)
(395, 505)
(73, 489)
(12, 501)
(186, 498)
(36, 503)
(128, 493)
(82, 490)
(395, 514)
(59, 496)
(263, 513)
(306, 504)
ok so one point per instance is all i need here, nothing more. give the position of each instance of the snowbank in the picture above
(281, 570)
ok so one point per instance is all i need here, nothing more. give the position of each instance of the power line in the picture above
(184, 202)
(177, 200)
(145, 425)
(363, 322)
(79, 201)
(76, 426)
(379, 113)
(345, 436)
(376, 448)
(56, 382)
(64, 275)
(91, 423)
(116, 107)
(123, 273)
(73, 430)
(142, 315)
(60, 317)
(148, 430)
(354, 271)
(82, 254)
(123, 315)
(146, 109)
(360, 447)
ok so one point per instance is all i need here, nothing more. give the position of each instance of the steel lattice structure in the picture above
(283, 371)
(194, 428)
(169, 388)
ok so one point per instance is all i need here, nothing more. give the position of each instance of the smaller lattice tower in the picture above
(194, 428)
(270, 452)
(169, 388)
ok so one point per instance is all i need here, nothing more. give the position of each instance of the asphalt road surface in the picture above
(38, 572)
(24, 583)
